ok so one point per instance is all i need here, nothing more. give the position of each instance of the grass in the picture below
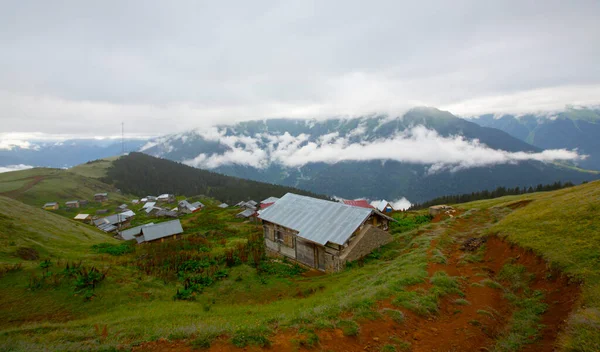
(563, 228)
(348, 327)
(525, 324)
(94, 169)
(426, 302)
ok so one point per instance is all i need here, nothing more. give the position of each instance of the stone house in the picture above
(322, 234)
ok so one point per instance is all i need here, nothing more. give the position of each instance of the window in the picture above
(278, 236)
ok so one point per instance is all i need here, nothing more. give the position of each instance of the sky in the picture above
(81, 68)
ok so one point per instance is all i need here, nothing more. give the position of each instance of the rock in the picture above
(376, 339)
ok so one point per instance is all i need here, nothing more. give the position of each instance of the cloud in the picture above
(9, 168)
(415, 145)
(398, 204)
(72, 68)
(10, 144)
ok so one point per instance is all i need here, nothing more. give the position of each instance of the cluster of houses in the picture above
(316, 233)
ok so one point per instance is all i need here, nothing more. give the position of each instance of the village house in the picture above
(358, 203)
(122, 207)
(51, 206)
(247, 213)
(186, 207)
(83, 202)
(322, 234)
(129, 234)
(154, 232)
(86, 218)
(223, 205)
(385, 207)
(101, 197)
(165, 198)
(114, 222)
(268, 202)
(72, 204)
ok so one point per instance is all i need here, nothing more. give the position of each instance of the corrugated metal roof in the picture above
(269, 200)
(317, 220)
(128, 213)
(149, 205)
(223, 205)
(246, 213)
(130, 233)
(157, 231)
(358, 203)
(50, 204)
(81, 216)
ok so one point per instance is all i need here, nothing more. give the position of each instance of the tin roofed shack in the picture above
(322, 234)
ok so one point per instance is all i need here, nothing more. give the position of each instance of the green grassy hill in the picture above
(38, 186)
(216, 287)
(95, 168)
(563, 227)
(23, 227)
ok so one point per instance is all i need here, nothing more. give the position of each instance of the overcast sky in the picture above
(80, 68)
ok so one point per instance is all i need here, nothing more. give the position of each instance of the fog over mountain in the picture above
(419, 155)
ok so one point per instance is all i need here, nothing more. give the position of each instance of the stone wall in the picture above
(368, 240)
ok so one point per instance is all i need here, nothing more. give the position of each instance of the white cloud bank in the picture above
(417, 145)
(9, 168)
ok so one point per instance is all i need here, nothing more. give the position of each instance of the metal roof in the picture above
(157, 231)
(317, 220)
(72, 202)
(223, 205)
(252, 203)
(246, 213)
(149, 205)
(381, 206)
(358, 203)
(81, 216)
(197, 205)
(101, 195)
(130, 233)
(50, 204)
(269, 200)
(128, 213)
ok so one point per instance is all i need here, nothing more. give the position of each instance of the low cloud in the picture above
(398, 204)
(9, 168)
(417, 145)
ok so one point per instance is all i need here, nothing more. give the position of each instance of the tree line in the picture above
(140, 174)
(498, 192)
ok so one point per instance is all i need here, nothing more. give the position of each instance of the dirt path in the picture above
(474, 325)
(15, 193)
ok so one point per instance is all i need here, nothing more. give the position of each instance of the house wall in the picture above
(365, 243)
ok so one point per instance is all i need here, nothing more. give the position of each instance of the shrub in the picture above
(243, 338)
(348, 327)
(395, 315)
(26, 253)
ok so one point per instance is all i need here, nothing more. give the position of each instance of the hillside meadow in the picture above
(217, 289)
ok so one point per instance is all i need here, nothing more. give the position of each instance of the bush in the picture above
(243, 338)
(348, 327)
(395, 315)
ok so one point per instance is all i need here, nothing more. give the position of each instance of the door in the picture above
(320, 257)
(305, 253)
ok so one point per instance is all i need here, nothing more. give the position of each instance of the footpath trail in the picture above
(16, 192)
(472, 321)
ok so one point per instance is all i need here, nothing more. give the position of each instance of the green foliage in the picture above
(348, 327)
(516, 275)
(388, 348)
(114, 249)
(395, 315)
(177, 178)
(256, 337)
(280, 269)
(408, 221)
